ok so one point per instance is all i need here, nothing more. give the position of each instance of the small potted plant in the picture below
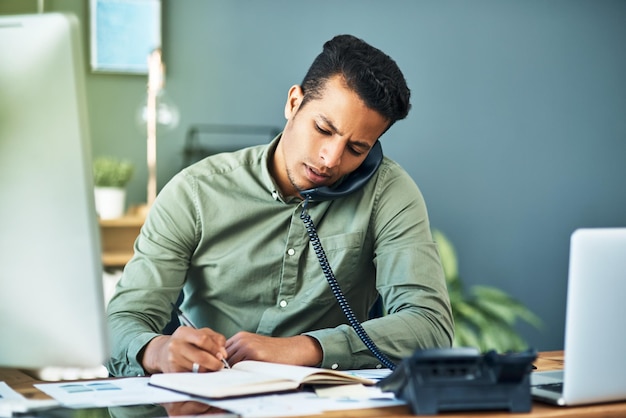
(111, 175)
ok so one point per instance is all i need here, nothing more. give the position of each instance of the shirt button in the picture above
(335, 366)
(275, 195)
(291, 251)
(283, 303)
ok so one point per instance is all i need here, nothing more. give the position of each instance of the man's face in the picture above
(325, 139)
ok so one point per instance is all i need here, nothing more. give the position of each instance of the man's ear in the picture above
(294, 100)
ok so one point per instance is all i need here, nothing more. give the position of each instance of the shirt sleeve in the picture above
(153, 279)
(409, 278)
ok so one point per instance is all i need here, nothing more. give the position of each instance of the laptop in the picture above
(595, 347)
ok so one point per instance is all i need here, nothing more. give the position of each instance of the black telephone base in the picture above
(462, 379)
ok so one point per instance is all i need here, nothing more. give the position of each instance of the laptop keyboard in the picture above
(552, 387)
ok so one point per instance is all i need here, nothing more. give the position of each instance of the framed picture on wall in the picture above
(123, 34)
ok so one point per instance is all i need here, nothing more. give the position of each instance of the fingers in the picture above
(203, 347)
(249, 346)
(204, 338)
(237, 348)
(299, 349)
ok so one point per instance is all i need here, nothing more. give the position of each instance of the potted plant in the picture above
(484, 316)
(111, 175)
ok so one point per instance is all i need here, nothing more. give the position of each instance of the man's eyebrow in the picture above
(360, 144)
(330, 124)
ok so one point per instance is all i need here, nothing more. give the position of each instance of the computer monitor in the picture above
(51, 291)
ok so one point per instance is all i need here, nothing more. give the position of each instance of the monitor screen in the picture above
(51, 292)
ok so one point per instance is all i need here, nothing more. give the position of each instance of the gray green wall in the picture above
(517, 134)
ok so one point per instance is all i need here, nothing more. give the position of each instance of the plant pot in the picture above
(110, 202)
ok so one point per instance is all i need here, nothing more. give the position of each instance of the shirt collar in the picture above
(268, 180)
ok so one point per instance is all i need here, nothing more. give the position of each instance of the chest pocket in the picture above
(344, 254)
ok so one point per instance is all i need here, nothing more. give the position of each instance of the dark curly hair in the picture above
(367, 71)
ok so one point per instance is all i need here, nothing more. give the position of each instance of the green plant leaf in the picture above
(497, 311)
(485, 316)
(465, 337)
(111, 172)
(495, 297)
(447, 253)
(491, 293)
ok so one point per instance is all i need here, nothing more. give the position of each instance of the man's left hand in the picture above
(299, 350)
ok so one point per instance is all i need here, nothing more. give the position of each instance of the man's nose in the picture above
(331, 153)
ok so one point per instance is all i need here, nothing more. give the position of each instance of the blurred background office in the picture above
(517, 134)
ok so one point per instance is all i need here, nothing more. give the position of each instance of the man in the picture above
(228, 231)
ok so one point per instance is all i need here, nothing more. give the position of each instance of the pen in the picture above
(187, 322)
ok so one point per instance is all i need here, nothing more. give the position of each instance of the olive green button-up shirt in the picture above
(220, 231)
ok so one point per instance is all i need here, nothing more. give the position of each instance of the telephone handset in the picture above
(353, 182)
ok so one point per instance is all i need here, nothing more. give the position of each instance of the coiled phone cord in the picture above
(336, 289)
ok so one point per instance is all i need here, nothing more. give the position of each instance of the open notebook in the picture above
(252, 377)
(595, 347)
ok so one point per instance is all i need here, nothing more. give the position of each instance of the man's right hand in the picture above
(186, 346)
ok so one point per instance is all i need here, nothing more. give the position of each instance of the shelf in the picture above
(118, 237)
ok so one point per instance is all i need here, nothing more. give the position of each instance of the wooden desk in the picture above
(552, 360)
